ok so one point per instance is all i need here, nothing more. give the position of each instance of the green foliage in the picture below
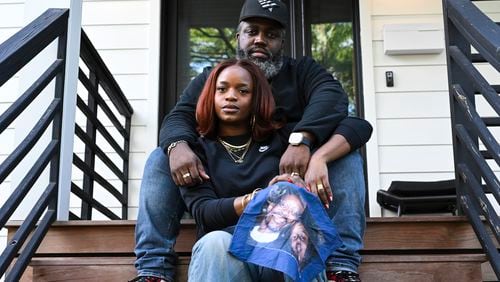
(332, 47)
(209, 45)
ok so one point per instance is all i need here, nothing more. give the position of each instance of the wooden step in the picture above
(396, 249)
(417, 268)
(89, 269)
(406, 268)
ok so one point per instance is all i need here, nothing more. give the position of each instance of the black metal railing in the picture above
(99, 83)
(467, 27)
(107, 120)
(15, 53)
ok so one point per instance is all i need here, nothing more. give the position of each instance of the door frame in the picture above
(297, 40)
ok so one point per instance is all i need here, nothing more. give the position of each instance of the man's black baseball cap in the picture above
(269, 9)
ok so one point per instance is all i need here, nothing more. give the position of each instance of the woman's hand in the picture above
(316, 180)
(185, 166)
(292, 178)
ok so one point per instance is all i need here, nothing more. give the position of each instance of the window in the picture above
(200, 33)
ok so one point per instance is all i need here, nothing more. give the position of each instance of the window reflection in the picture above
(208, 46)
(330, 24)
(332, 46)
(211, 25)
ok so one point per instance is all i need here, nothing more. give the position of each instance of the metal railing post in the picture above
(88, 182)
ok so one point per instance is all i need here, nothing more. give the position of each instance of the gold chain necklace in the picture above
(233, 150)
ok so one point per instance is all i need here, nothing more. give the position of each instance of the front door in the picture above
(200, 33)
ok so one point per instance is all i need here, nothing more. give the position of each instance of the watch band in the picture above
(297, 138)
(306, 141)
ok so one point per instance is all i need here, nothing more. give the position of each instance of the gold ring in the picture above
(186, 175)
(294, 174)
(320, 186)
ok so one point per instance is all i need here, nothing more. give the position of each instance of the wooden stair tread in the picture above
(389, 234)
(92, 261)
(411, 248)
(379, 268)
(424, 258)
(185, 259)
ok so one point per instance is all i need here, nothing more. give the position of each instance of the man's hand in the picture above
(185, 166)
(295, 160)
(316, 179)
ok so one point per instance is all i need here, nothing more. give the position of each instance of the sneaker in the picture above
(342, 276)
(147, 279)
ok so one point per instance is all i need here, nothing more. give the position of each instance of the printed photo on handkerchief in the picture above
(286, 228)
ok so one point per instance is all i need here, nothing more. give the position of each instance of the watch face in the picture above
(295, 138)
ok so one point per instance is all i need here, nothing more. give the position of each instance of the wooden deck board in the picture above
(389, 234)
(396, 249)
(379, 268)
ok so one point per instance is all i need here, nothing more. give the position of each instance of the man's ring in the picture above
(294, 174)
(186, 175)
(320, 187)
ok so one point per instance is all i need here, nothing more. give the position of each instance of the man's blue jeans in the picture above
(161, 208)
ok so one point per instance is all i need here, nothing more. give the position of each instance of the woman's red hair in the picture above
(262, 101)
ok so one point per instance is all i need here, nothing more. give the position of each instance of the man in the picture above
(313, 104)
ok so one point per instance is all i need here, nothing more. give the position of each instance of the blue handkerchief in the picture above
(287, 229)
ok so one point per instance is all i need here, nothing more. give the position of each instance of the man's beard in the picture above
(270, 66)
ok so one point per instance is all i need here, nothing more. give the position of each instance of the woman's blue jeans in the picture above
(161, 208)
(223, 267)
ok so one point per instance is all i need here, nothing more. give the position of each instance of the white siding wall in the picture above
(126, 33)
(412, 119)
(414, 132)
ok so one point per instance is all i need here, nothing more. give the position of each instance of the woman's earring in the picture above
(252, 123)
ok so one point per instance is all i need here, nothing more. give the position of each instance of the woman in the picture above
(240, 147)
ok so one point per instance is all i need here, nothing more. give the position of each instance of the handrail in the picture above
(493, 186)
(482, 85)
(466, 27)
(89, 55)
(89, 114)
(100, 77)
(27, 144)
(473, 117)
(15, 53)
(484, 34)
(29, 41)
(29, 96)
